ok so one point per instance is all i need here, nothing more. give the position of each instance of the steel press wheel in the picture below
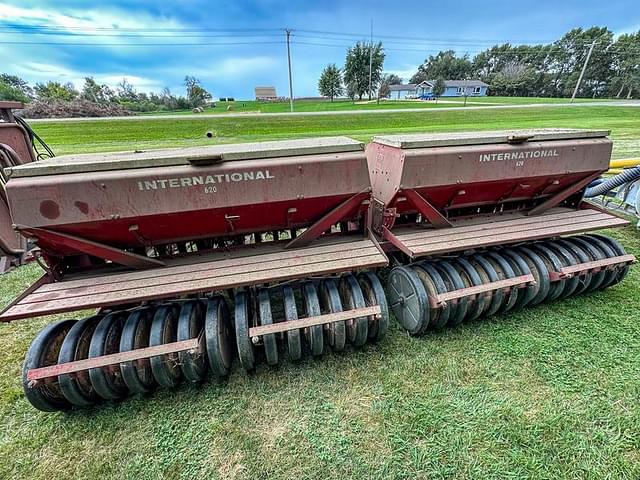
(294, 343)
(374, 295)
(434, 285)
(44, 352)
(137, 375)
(608, 252)
(266, 318)
(539, 271)
(329, 297)
(312, 309)
(584, 281)
(482, 265)
(408, 300)
(191, 325)
(219, 336)
(164, 329)
(622, 271)
(107, 382)
(351, 298)
(242, 318)
(594, 254)
(453, 281)
(77, 388)
(520, 267)
(504, 271)
(567, 259)
(472, 278)
(553, 264)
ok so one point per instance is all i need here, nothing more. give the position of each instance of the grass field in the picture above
(110, 135)
(549, 392)
(318, 105)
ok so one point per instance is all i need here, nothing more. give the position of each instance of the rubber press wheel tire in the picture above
(219, 336)
(311, 304)
(44, 352)
(408, 300)
(374, 295)
(351, 297)
(108, 383)
(77, 388)
(269, 341)
(164, 329)
(191, 321)
(242, 318)
(335, 333)
(294, 342)
(137, 376)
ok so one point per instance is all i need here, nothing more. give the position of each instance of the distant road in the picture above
(191, 116)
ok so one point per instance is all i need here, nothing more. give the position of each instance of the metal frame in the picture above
(37, 374)
(426, 209)
(584, 268)
(89, 247)
(193, 345)
(396, 242)
(334, 216)
(256, 332)
(563, 195)
(520, 281)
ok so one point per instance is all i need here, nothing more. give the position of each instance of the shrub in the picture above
(73, 109)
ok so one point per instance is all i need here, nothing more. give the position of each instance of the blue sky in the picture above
(233, 65)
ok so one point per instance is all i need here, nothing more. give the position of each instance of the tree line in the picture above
(545, 70)
(124, 95)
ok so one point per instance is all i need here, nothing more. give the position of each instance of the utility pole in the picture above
(584, 68)
(288, 33)
(370, 58)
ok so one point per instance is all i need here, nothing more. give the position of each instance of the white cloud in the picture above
(41, 72)
(83, 18)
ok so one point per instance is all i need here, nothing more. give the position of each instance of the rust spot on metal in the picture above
(82, 206)
(49, 209)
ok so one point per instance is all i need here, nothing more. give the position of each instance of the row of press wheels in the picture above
(410, 288)
(223, 336)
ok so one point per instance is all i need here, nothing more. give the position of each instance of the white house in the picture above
(453, 88)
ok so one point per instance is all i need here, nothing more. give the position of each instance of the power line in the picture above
(137, 29)
(164, 44)
(250, 32)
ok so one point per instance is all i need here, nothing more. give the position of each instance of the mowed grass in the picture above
(130, 134)
(548, 392)
(325, 105)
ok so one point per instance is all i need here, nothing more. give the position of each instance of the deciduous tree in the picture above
(330, 82)
(356, 69)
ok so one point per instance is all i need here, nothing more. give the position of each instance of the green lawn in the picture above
(108, 135)
(317, 105)
(549, 392)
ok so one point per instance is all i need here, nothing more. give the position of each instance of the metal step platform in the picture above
(259, 264)
(505, 229)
